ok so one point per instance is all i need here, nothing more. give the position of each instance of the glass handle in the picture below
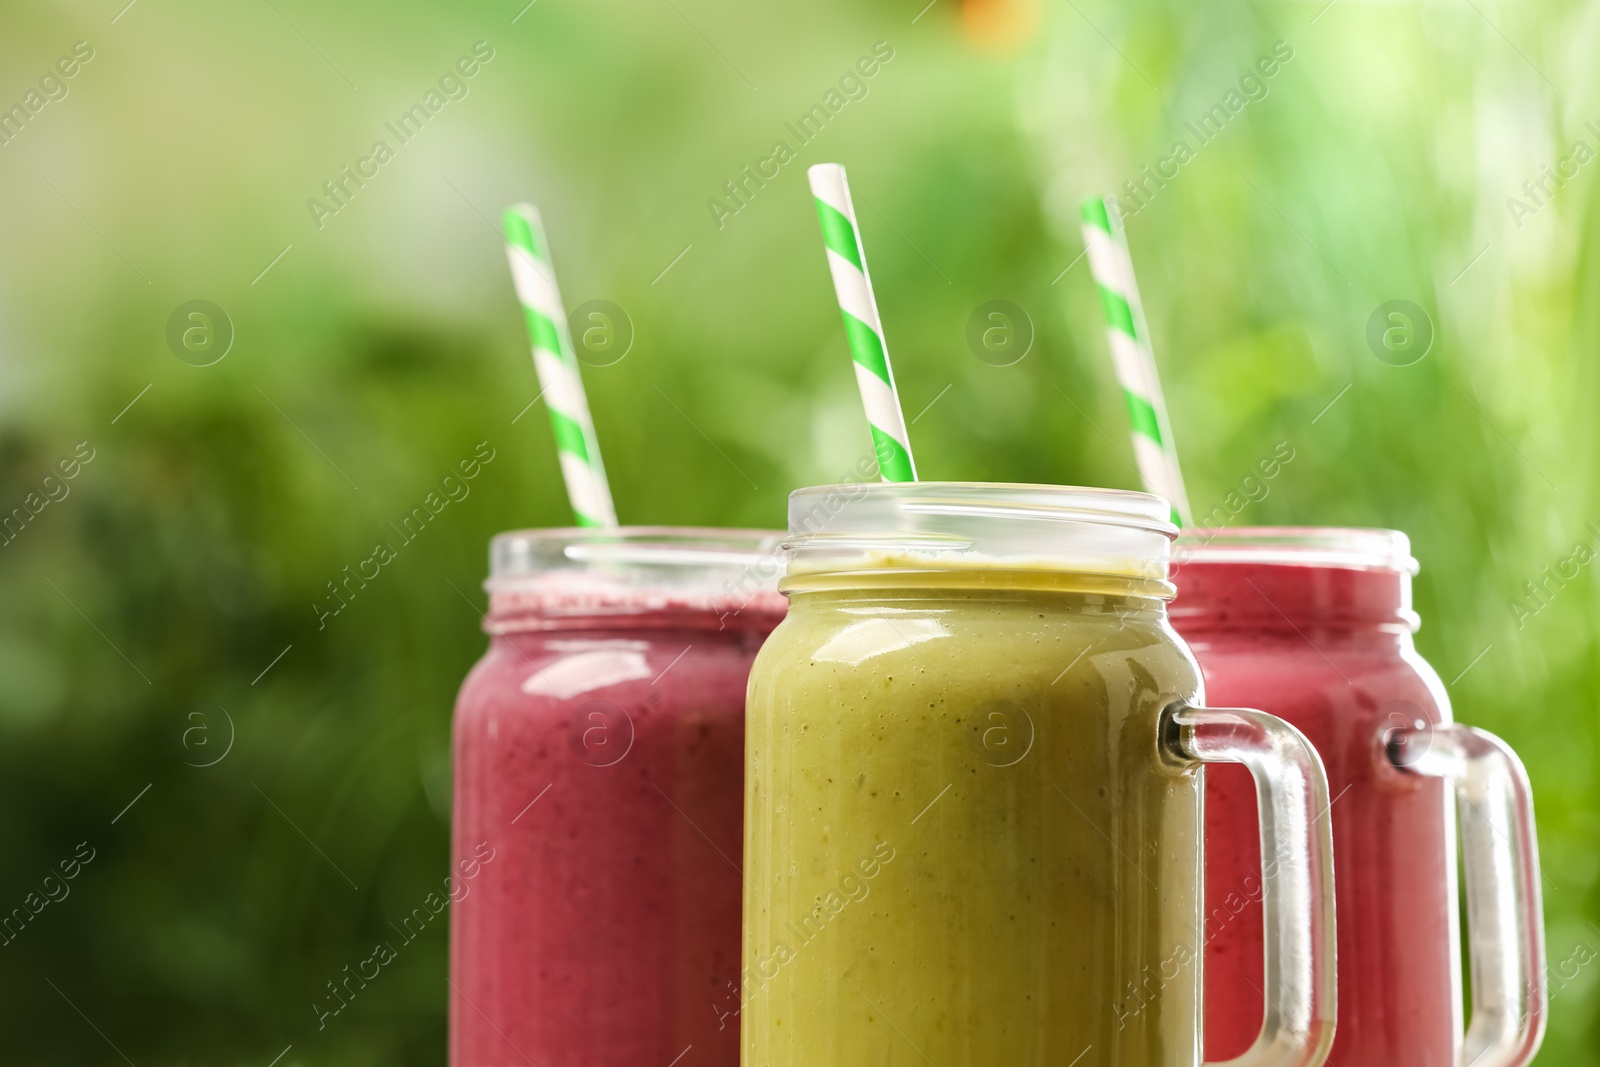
(1297, 873)
(1500, 855)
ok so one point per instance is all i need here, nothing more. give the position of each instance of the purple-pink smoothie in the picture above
(599, 752)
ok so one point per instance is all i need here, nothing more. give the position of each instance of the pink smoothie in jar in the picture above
(1315, 626)
(599, 791)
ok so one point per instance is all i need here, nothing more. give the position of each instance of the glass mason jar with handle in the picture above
(599, 767)
(973, 795)
(1315, 625)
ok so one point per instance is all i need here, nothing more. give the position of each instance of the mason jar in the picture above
(973, 817)
(1315, 625)
(599, 767)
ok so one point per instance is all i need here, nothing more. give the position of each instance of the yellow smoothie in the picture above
(963, 847)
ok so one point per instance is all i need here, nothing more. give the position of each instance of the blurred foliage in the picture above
(163, 606)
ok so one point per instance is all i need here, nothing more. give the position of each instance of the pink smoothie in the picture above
(1328, 646)
(599, 751)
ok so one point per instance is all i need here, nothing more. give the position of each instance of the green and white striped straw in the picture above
(556, 363)
(1132, 356)
(848, 262)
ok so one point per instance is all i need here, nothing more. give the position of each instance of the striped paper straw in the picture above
(1131, 354)
(557, 366)
(848, 263)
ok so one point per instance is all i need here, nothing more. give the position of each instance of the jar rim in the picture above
(891, 526)
(518, 554)
(1349, 547)
(570, 574)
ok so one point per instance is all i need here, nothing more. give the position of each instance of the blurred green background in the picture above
(289, 784)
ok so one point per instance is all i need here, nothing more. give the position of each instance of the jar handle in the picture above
(1297, 881)
(1505, 910)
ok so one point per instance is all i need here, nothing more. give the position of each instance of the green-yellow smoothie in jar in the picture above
(962, 845)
